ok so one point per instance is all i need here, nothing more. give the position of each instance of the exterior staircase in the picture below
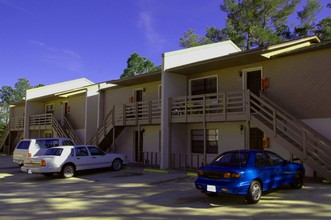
(301, 140)
(68, 129)
(4, 137)
(48, 121)
(105, 130)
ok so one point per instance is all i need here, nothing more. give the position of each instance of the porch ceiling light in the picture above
(285, 50)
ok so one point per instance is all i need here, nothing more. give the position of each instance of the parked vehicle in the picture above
(31, 147)
(248, 173)
(66, 160)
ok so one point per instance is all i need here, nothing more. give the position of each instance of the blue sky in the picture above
(51, 41)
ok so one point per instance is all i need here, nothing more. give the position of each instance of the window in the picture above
(23, 145)
(262, 160)
(95, 151)
(54, 151)
(47, 143)
(49, 109)
(197, 141)
(48, 135)
(138, 95)
(204, 85)
(237, 159)
(276, 159)
(67, 142)
(81, 151)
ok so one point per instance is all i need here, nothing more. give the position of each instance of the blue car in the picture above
(248, 173)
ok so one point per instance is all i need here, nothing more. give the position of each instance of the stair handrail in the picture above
(295, 130)
(70, 131)
(57, 127)
(292, 118)
(102, 130)
(4, 136)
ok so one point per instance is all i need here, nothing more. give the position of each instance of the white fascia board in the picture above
(57, 88)
(199, 53)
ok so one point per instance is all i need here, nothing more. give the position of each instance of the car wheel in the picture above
(254, 193)
(68, 171)
(117, 164)
(298, 180)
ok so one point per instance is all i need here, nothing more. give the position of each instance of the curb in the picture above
(156, 171)
(150, 170)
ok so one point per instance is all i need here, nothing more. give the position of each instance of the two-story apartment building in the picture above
(58, 110)
(206, 100)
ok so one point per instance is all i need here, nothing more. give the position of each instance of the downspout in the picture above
(204, 132)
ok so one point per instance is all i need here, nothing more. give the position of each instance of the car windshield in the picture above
(235, 159)
(54, 151)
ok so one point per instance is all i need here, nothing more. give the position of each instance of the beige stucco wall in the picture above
(125, 142)
(300, 84)
(121, 95)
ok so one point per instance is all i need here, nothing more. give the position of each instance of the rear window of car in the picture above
(54, 151)
(47, 143)
(67, 143)
(235, 159)
(23, 145)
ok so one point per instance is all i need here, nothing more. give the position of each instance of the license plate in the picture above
(29, 171)
(211, 188)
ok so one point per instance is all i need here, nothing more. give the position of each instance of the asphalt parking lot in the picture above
(137, 193)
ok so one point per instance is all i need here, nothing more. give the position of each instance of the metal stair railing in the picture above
(57, 127)
(70, 131)
(106, 126)
(4, 136)
(310, 146)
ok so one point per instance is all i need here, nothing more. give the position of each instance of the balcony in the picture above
(148, 112)
(226, 106)
(16, 123)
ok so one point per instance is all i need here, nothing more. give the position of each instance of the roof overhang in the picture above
(69, 93)
(139, 79)
(246, 57)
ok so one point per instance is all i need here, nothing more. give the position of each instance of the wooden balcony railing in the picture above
(147, 112)
(225, 106)
(48, 122)
(16, 123)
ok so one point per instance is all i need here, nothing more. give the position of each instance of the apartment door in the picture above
(253, 80)
(65, 112)
(138, 143)
(256, 138)
(138, 95)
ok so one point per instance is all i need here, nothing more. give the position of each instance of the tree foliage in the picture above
(307, 18)
(10, 95)
(137, 65)
(191, 39)
(257, 23)
(323, 29)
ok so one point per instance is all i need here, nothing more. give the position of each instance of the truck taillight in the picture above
(29, 155)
